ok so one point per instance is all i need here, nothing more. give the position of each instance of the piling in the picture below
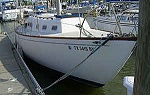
(142, 64)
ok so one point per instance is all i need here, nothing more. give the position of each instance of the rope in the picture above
(77, 66)
(117, 21)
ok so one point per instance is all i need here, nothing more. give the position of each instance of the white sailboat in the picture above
(9, 11)
(128, 21)
(63, 44)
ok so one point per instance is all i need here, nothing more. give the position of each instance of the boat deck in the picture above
(12, 80)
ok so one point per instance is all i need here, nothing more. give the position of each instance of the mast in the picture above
(58, 7)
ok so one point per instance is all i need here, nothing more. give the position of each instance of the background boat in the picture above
(12, 11)
(9, 10)
(117, 19)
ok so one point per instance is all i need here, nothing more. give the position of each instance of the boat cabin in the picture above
(49, 24)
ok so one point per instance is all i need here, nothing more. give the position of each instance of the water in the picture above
(68, 86)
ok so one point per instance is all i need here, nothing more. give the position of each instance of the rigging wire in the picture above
(79, 16)
(92, 11)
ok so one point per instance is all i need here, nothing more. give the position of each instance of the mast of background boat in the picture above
(21, 12)
(78, 10)
(58, 7)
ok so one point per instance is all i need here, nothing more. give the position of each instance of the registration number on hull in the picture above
(81, 48)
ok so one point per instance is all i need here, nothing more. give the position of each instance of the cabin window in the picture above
(54, 27)
(44, 27)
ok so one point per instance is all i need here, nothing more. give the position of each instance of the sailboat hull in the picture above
(64, 54)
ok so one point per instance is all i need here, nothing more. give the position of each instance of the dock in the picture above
(11, 79)
(14, 79)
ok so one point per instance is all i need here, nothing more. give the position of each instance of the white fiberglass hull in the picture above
(64, 54)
